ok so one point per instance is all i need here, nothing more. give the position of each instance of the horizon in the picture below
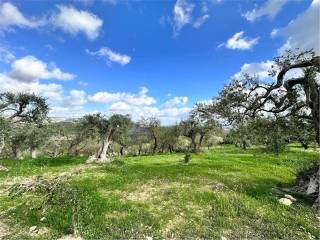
(144, 58)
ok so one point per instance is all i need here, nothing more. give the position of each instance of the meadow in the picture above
(223, 193)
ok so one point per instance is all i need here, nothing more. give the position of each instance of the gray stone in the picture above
(285, 201)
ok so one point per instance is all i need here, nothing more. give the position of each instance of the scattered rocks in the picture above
(33, 229)
(285, 201)
(3, 169)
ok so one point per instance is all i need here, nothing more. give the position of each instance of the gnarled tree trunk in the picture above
(101, 155)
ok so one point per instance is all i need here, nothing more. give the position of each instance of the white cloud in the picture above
(31, 69)
(201, 20)
(52, 91)
(240, 42)
(74, 21)
(175, 101)
(184, 14)
(77, 97)
(111, 56)
(82, 84)
(270, 8)
(304, 31)
(168, 115)
(260, 69)
(10, 17)
(26, 74)
(140, 99)
(140, 105)
(6, 56)
(274, 32)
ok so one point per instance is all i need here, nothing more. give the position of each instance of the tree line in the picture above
(247, 111)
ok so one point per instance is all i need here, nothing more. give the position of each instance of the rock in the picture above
(285, 201)
(3, 168)
(223, 238)
(149, 238)
(217, 186)
(33, 229)
(43, 219)
(290, 197)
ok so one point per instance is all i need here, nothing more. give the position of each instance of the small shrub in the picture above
(187, 157)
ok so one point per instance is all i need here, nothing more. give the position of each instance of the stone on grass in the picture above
(33, 229)
(290, 197)
(42, 219)
(285, 201)
(3, 168)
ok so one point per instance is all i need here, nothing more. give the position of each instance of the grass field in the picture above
(225, 192)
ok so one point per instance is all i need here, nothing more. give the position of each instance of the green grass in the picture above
(226, 192)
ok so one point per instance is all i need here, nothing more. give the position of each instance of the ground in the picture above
(223, 193)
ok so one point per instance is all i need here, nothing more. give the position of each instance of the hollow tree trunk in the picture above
(33, 152)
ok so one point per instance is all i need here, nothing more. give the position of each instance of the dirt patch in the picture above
(117, 214)
(4, 230)
(153, 190)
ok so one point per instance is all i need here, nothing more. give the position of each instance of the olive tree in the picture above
(18, 110)
(281, 94)
(153, 126)
(104, 129)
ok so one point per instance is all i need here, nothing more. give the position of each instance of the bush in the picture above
(187, 157)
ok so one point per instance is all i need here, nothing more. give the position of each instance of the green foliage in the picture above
(23, 107)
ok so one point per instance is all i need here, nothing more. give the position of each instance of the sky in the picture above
(144, 58)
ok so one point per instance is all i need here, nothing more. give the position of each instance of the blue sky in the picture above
(146, 58)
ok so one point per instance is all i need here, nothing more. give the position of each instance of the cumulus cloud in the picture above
(141, 105)
(52, 91)
(138, 99)
(31, 69)
(77, 97)
(175, 101)
(25, 75)
(270, 8)
(302, 32)
(10, 17)
(74, 21)
(111, 56)
(260, 69)
(240, 42)
(167, 115)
